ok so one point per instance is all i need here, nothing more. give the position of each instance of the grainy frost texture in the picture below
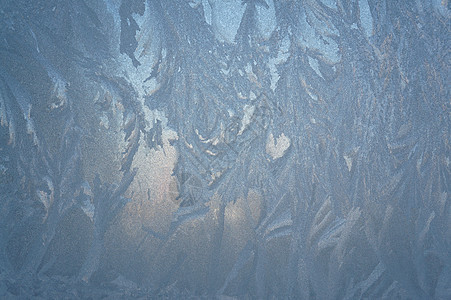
(225, 149)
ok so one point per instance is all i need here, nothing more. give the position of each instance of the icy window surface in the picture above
(251, 149)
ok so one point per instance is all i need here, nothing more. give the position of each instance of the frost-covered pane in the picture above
(243, 149)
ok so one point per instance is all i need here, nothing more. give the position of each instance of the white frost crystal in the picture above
(276, 148)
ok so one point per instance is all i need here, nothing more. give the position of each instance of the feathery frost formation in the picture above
(225, 148)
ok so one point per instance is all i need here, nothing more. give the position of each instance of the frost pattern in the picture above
(249, 149)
